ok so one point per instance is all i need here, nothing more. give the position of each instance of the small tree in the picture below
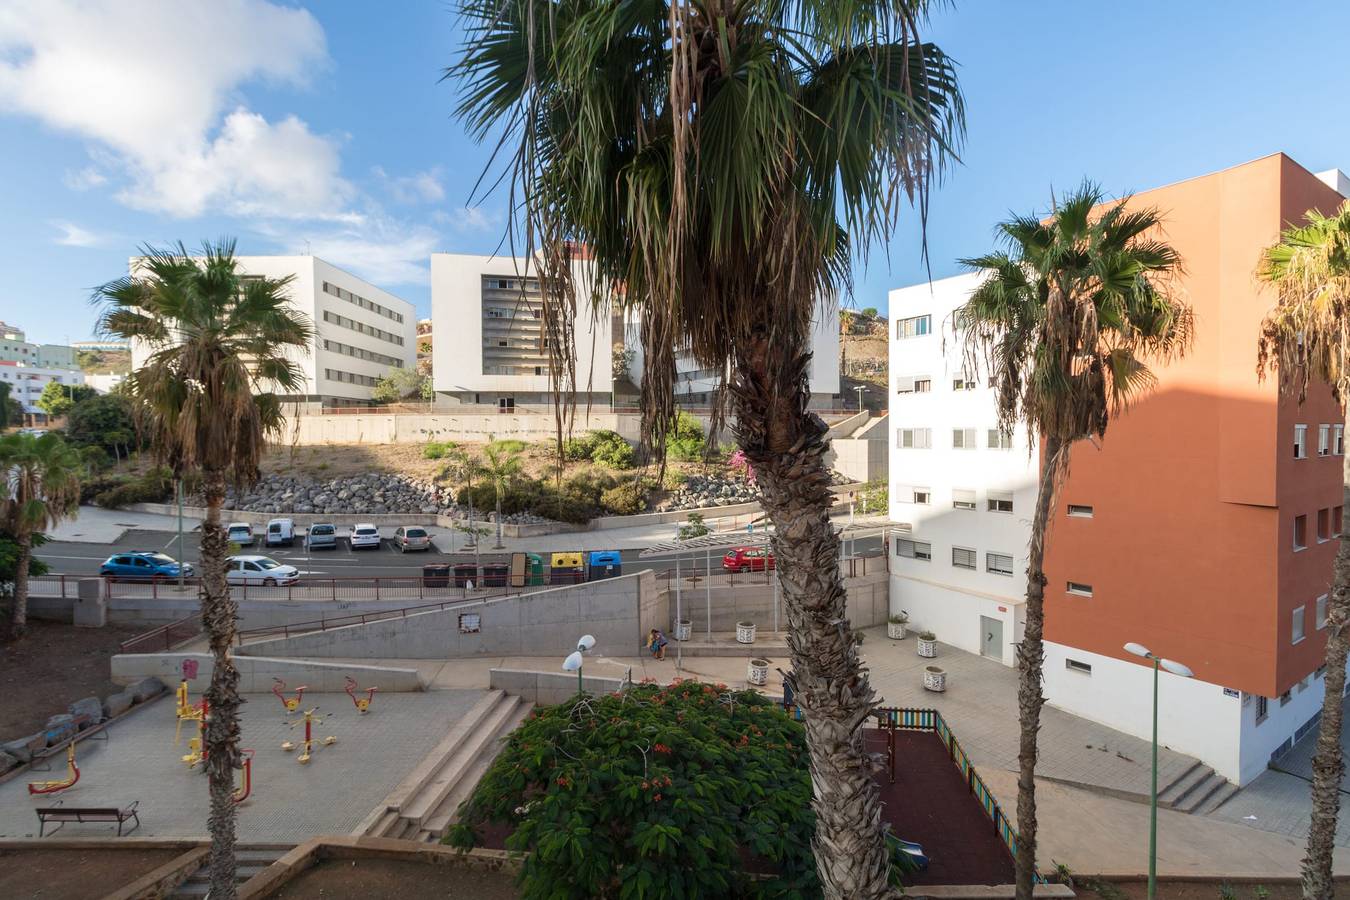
(104, 421)
(401, 384)
(57, 399)
(622, 362)
(7, 405)
(502, 464)
(693, 527)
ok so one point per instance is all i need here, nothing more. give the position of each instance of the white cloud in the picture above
(469, 220)
(381, 250)
(418, 187)
(150, 80)
(84, 179)
(73, 235)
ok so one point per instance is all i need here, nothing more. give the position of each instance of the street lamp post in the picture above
(1175, 668)
(576, 658)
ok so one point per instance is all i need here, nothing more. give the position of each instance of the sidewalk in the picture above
(95, 525)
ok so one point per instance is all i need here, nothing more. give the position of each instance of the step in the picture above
(1201, 795)
(414, 781)
(1225, 793)
(445, 814)
(1176, 792)
(443, 782)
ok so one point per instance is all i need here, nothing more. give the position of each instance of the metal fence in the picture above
(165, 637)
(324, 624)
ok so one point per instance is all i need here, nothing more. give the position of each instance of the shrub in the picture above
(693, 527)
(155, 486)
(657, 792)
(578, 449)
(437, 449)
(609, 449)
(627, 499)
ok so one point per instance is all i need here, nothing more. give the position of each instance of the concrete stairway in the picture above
(1199, 790)
(423, 805)
(250, 859)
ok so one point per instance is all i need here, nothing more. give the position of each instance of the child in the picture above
(656, 642)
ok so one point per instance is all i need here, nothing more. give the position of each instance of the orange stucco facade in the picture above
(1190, 546)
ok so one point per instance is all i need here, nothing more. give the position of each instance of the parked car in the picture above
(259, 570)
(747, 559)
(363, 534)
(411, 537)
(280, 531)
(143, 565)
(321, 537)
(240, 533)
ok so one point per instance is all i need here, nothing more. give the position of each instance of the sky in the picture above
(324, 127)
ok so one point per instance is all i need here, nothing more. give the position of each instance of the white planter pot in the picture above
(935, 678)
(745, 632)
(683, 630)
(758, 672)
(895, 631)
(927, 649)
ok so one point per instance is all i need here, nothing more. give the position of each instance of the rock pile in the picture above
(374, 493)
(711, 490)
(78, 716)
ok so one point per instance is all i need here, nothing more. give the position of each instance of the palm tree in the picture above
(463, 466)
(219, 345)
(41, 487)
(502, 466)
(716, 167)
(1305, 338)
(1064, 321)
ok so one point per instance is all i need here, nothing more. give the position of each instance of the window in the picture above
(1338, 440)
(1297, 633)
(963, 382)
(1300, 442)
(998, 563)
(1074, 665)
(914, 438)
(1079, 511)
(1323, 440)
(470, 623)
(1337, 520)
(913, 549)
(1323, 525)
(914, 326)
(921, 495)
(963, 558)
(923, 385)
(963, 438)
(1300, 532)
(1321, 612)
(963, 499)
(1000, 501)
(913, 384)
(1079, 588)
(1262, 709)
(1286, 697)
(999, 439)
(1321, 672)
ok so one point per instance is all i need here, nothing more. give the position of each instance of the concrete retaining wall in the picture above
(547, 688)
(256, 672)
(545, 623)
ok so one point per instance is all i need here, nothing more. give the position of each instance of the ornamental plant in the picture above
(656, 792)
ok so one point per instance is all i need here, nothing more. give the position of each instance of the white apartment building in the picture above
(15, 347)
(965, 489)
(361, 332)
(28, 382)
(105, 384)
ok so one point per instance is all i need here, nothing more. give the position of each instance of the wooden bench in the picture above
(63, 814)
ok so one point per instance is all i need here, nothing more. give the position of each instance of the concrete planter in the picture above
(934, 678)
(683, 630)
(745, 632)
(895, 631)
(758, 672)
(926, 648)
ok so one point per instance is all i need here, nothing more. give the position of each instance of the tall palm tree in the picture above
(502, 464)
(41, 487)
(1306, 338)
(1064, 321)
(717, 167)
(219, 345)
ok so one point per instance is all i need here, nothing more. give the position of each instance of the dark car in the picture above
(143, 565)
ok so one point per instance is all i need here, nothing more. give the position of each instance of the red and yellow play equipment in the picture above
(51, 787)
(290, 704)
(362, 703)
(307, 745)
(246, 784)
(186, 711)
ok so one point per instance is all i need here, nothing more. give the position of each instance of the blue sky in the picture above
(323, 125)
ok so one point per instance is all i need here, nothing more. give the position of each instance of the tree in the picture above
(869, 312)
(401, 384)
(57, 399)
(1305, 339)
(621, 362)
(719, 166)
(219, 345)
(463, 465)
(41, 487)
(104, 421)
(1064, 320)
(9, 561)
(502, 465)
(7, 404)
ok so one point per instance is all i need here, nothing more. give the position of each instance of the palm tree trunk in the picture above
(19, 624)
(1327, 764)
(1030, 663)
(499, 520)
(219, 614)
(786, 445)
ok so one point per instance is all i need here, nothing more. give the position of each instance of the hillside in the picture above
(104, 362)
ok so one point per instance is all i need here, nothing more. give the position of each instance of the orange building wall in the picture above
(1194, 490)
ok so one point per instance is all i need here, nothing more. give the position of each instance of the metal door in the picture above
(991, 637)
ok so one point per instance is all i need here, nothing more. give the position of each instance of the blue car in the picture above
(142, 565)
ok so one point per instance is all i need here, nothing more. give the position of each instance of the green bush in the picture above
(155, 486)
(627, 499)
(609, 449)
(437, 449)
(659, 792)
(578, 449)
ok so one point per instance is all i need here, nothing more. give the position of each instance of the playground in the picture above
(146, 760)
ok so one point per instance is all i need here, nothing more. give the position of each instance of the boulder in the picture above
(118, 703)
(90, 709)
(59, 727)
(8, 762)
(23, 748)
(146, 688)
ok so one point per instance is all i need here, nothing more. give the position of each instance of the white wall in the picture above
(1258, 742)
(104, 383)
(953, 615)
(28, 382)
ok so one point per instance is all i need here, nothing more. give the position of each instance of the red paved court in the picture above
(931, 805)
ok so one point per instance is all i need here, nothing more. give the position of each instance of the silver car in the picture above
(321, 537)
(411, 537)
(259, 570)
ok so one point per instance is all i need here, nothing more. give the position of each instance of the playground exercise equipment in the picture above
(189, 712)
(246, 787)
(291, 704)
(307, 745)
(52, 787)
(362, 704)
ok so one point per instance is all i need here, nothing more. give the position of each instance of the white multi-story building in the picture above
(14, 347)
(28, 382)
(965, 488)
(361, 332)
(105, 384)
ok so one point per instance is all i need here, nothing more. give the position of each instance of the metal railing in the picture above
(694, 575)
(351, 588)
(165, 637)
(325, 623)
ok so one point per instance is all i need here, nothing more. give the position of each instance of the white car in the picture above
(240, 533)
(259, 570)
(363, 534)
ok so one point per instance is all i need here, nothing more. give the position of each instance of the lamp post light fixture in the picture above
(576, 658)
(1182, 671)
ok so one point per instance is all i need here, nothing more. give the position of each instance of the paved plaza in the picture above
(289, 802)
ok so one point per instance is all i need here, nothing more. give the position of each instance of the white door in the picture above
(991, 637)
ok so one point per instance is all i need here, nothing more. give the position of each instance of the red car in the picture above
(747, 559)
